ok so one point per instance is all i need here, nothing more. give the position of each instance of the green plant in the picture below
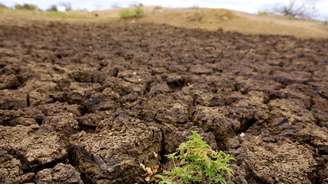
(26, 7)
(132, 13)
(196, 162)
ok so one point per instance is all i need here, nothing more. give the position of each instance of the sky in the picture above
(250, 6)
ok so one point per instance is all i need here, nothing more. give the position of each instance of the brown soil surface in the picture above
(90, 103)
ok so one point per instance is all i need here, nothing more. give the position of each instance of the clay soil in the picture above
(94, 103)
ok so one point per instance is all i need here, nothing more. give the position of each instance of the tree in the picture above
(66, 5)
(52, 8)
(297, 8)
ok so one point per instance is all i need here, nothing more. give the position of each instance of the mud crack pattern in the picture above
(90, 103)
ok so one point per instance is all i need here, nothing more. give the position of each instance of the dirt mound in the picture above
(95, 103)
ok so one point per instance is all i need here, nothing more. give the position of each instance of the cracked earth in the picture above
(90, 103)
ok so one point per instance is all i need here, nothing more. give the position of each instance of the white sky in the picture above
(251, 6)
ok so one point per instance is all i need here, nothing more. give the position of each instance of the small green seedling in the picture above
(196, 162)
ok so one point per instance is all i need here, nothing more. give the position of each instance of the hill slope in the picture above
(209, 19)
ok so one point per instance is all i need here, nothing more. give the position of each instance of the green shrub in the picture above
(132, 13)
(26, 7)
(196, 162)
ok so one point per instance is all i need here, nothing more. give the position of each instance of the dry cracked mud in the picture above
(90, 103)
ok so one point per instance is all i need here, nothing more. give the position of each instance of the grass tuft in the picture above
(196, 162)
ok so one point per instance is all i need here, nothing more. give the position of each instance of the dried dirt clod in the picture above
(114, 155)
(13, 77)
(323, 174)
(11, 100)
(11, 170)
(166, 110)
(61, 173)
(281, 162)
(90, 76)
(294, 77)
(56, 108)
(69, 97)
(18, 117)
(9, 82)
(294, 111)
(315, 136)
(211, 119)
(92, 121)
(97, 102)
(9, 117)
(64, 123)
(35, 148)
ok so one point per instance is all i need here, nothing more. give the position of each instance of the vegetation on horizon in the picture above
(297, 9)
(196, 162)
(26, 6)
(52, 8)
(135, 12)
(67, 6)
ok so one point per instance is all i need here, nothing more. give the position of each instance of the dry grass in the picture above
(213, 19)
(209, 19)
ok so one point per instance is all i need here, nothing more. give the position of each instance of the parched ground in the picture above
(91, 103)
